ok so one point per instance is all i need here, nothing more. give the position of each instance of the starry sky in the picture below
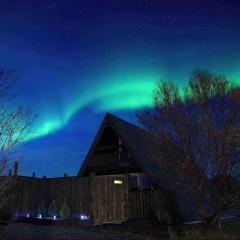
(78, 59)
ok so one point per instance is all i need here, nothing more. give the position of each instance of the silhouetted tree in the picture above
(195, 134)
(14, 122)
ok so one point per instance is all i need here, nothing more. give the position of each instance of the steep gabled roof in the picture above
(133, 137)
(136, 140)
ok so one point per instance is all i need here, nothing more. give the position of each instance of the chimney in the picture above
(10, 172)
(15, 168)
(33, 174)
(65, 175)
(44, 177)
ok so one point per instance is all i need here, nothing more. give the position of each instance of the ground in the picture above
(25, 231)
(133, 231)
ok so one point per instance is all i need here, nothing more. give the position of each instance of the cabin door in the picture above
(109, 199)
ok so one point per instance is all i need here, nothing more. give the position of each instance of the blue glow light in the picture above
(84, 217)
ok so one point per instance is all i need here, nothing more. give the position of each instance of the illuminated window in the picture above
(117, 181)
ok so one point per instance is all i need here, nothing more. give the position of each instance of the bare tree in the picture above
(14, 122)
(195, 137)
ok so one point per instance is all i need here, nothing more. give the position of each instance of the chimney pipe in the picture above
(33, 174)
(15, 168)
(10, 172)
(65, 175)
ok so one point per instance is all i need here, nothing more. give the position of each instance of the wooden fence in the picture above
(100, 197)
(147, 204)
(32, 191)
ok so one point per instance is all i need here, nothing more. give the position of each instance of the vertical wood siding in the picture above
(96, 196)
(109, 200)
(147, 205)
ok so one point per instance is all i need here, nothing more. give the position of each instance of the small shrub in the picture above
(52, 209)
(42, 210)
(65, 211)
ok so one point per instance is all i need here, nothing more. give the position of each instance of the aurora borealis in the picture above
(78, 59)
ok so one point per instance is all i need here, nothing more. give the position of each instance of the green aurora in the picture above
(128, 92)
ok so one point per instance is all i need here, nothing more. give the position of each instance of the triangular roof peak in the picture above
(119, 122)
(133, 136)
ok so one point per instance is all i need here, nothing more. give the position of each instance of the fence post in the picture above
(92, 200)
(126, 196)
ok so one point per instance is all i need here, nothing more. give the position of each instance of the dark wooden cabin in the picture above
(123, 172)
(120, 148)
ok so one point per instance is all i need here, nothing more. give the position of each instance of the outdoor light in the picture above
(54, 217)
(28, 215)
(40, 215)
(83, 217)
(117, 181)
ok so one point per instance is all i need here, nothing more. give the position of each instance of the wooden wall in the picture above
(147, 204)
(32, 191)
(96, 196)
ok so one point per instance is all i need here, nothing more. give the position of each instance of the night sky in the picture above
(76, 60)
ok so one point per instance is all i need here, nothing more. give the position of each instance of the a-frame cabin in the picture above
(119, 148)
(122, 173)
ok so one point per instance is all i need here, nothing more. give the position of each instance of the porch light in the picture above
(117, 181)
